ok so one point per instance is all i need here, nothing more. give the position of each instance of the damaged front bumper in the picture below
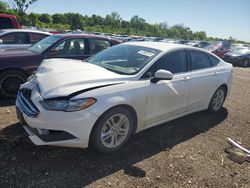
(57, 128)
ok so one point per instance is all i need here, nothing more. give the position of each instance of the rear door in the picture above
(203, 80)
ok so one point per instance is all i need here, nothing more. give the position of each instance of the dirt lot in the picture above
(188, 152)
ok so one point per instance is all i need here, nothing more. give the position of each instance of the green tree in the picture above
(21, 5)
(45, 18)
(113, 19)
(59, 19)
(33, 17)
(137, 23)
(74, 20)
(200, 35)
(3, 7)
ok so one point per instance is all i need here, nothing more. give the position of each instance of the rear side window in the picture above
(174, 62)
(71, 47)
(5, 23)
(97, 45)
(199, 60)
(35, 37)
(215, 61)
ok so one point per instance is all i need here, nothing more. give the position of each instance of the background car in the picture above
(239, 56)
(8, 21)
(17, 39)
(202, 44)
(219, 48)
(119, 91)
(16, 66)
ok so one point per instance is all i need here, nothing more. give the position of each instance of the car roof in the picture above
(23, 30)
(66, 35)
(163, 46)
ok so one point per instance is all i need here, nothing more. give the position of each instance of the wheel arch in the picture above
(126, 106)
(225, 87)
(13, 69)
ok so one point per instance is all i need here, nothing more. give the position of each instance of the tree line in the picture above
(111, 23)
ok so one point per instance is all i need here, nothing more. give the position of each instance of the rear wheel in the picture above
(10, 81)
(245, 63)
(112, 130)
(217, 100)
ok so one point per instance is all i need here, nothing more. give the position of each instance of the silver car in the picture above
(16, 39)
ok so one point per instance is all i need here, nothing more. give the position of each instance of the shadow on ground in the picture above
(23, 164)
(6, 102)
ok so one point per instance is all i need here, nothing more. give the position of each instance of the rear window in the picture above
(215, 61)
(5, 23)
(97, 45)
(199, 60)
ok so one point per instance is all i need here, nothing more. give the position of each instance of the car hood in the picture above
(63, 77)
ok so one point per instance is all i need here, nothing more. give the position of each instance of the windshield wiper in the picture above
(112, 70)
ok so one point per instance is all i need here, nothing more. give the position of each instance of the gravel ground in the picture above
(188, 152)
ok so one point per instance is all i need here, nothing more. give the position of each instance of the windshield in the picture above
(124, 59)
(44, 44)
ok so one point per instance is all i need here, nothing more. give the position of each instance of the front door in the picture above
(167, 99)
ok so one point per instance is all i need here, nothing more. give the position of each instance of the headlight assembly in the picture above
(67, 105)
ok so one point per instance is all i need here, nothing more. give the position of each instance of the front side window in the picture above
(72, 47)
(199, 60)
(16, 38)
(174, 62)
(97, 45)
(124, 59)
(44, 44)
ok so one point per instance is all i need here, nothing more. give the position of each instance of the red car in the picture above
(16, 66)
(219, 49)
(8, 22)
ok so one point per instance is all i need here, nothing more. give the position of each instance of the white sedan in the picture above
(120, 91)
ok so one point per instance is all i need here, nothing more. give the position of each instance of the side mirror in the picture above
(53, 53)
(162, 75)
(1, 41)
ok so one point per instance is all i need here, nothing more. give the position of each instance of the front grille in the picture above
(25, 104)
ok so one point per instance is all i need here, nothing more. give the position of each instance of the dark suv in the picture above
(16, 66)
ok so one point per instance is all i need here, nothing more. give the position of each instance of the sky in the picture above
(219, 18)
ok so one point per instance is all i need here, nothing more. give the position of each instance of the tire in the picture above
(217, 100)
(245, 62)
(10, 81)
(108, 135)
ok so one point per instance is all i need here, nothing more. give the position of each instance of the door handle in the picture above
(185, 78)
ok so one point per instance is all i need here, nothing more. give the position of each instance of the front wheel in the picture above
(112, 130)
(217, 100)
(10, 81)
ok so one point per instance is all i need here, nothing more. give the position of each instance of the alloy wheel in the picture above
(218, 99)
(115, 130)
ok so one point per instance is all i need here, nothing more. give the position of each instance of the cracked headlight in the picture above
(67, 105)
